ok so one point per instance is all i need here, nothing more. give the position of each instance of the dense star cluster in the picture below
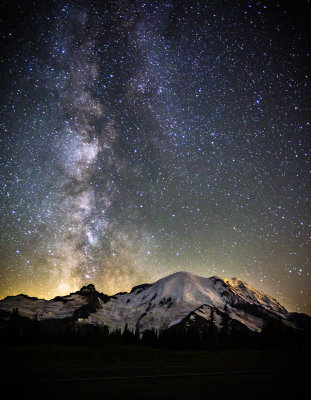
(147, 137)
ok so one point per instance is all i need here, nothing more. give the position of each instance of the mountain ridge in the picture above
(161, 305)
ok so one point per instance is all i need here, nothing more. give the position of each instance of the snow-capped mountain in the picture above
(178, 300)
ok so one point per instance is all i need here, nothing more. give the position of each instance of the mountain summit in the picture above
(178, 300)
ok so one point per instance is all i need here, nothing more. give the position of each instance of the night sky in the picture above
(141, 138)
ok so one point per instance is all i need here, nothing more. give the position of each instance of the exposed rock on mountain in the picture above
(179, 300)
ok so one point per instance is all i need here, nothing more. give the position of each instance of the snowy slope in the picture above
(250, 295)
(59, 307)
(169, 300)
(43, 309)
(160, 305)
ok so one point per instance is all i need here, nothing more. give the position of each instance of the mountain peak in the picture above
(158, 305)
(180, 275)
(88, 288)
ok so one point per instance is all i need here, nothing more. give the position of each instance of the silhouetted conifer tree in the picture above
(225, 327)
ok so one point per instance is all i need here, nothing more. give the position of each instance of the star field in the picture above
(144, 138)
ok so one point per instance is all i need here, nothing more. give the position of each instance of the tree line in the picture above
(274, 335)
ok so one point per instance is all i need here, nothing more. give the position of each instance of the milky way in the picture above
(143, 138)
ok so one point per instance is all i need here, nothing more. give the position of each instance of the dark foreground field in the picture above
(127, 372)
